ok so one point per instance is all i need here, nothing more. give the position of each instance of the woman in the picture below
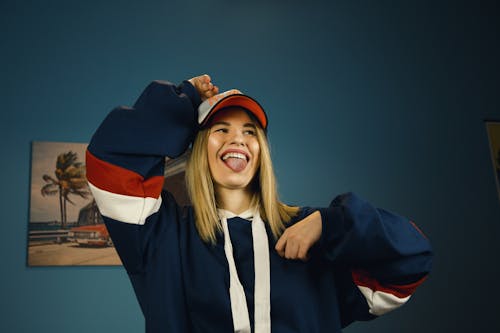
(238, 260)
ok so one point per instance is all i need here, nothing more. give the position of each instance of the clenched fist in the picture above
(204, 86)
(296, 240)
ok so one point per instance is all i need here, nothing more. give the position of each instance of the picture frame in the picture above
(493, 130)
(65, 227)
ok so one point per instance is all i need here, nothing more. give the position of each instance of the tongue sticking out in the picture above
(236, 164)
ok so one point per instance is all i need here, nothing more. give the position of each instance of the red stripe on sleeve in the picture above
(115, 179)
(418, 229)
(362, 279)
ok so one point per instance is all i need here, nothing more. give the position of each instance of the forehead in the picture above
(232, 115)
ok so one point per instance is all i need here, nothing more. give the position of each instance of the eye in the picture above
(250, 132)
(221, 130)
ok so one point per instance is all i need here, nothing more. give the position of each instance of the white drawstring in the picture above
(262, 293)
(262, 290)
(239, 309)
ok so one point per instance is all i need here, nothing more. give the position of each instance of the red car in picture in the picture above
(90, 235)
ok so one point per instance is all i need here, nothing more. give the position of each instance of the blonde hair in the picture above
(264, 187)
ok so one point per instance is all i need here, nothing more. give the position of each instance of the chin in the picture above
(234, 183)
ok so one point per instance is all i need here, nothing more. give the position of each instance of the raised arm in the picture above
(125, 160)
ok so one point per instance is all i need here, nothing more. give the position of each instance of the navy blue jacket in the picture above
(367, 262)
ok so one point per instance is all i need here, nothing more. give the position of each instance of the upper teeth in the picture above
(234, 155)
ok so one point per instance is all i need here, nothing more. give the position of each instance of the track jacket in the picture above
(367, 262)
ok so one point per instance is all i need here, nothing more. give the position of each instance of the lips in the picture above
(236, 160)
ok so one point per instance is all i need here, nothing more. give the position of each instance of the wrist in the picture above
(190, 90)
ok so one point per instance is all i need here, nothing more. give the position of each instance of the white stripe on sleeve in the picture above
(124, 208)
(381, 302)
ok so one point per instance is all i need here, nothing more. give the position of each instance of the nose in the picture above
(238, 138)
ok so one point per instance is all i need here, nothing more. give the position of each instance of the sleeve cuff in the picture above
(325, 227)
(338, 226)
(187, 88)
(335, 229)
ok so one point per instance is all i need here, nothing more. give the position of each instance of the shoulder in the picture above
(178, 204)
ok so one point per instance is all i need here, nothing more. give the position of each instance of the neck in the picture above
(234, 200)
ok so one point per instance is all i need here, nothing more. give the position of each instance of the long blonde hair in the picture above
(264, 187)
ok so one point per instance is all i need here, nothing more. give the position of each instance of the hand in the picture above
(204, 86)
(296, 241)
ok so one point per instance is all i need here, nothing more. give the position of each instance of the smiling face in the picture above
(233, 149)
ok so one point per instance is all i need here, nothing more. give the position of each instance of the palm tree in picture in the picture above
(70, 180)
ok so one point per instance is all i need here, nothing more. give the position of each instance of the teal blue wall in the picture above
(378, 97)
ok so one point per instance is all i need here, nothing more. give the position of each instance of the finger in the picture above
(210, 93)
(280, 245)
(303, 253)
(205, 78)
(205, 86)
(291, 250)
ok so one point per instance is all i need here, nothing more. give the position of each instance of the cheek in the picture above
(211, 152)
(212, 146)
(255, 148)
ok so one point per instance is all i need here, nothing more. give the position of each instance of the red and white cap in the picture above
(231, 98)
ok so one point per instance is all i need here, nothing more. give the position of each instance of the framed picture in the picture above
(65, 227)
(493, 129)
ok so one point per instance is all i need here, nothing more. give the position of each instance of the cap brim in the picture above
(239, 100)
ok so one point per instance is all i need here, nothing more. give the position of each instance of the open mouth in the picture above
(235, 160)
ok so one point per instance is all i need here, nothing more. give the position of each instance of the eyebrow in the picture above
(225, 123)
